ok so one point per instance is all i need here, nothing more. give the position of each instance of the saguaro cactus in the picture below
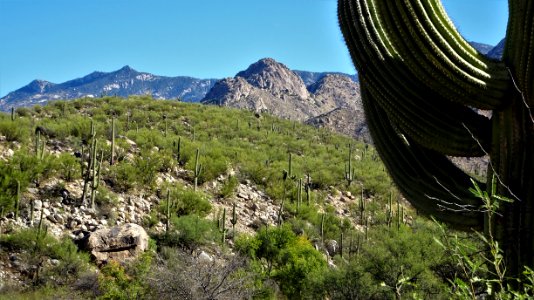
(349, 169)
(420, 81)
(198, 169)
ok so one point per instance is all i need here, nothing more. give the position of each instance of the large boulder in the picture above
(119, 243)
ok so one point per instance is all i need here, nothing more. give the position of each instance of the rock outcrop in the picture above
(279, 80)
(270, 87)
(119, 243)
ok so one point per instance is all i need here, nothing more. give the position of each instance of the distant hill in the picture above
(123, 82)
(310, 78)
(482, 48)
(497, 51)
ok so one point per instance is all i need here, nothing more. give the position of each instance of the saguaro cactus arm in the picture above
(434, 185)
(420, 82)
(399, 70)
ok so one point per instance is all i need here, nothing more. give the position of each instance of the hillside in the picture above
(271, 201)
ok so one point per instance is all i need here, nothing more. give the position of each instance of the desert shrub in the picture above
(347, 281)
(228, 187)
(296, 262)
(23, 111)
(69, 165)
(185, 201)
(288, 258)
(147, 165)
(115, 283)
(190, 231)
(180, 276)
(126, 281)
(38, 246)
(122, 176)
(13, 131)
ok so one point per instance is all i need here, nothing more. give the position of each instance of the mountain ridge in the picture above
(123, 82)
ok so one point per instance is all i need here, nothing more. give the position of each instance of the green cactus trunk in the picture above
(233, 220)
(420, 81)
(168, 212)
(112, 158)
(222, 227)
(198, 169)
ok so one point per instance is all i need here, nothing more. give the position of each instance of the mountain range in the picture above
(123, 82)
(322, 99)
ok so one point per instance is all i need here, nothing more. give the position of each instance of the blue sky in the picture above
(58, 40)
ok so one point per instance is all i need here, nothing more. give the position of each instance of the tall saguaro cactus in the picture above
(420, 81)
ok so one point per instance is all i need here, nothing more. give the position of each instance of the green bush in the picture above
(185, 201)
(190, 231)
(289, 258)
(228, 187)
(13, 131)
(38, 246)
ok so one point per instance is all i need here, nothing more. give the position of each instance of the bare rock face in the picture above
(119, 243)
(267, 74)
(237, 92)
(333, 91)
(270, 87)
(344, 120)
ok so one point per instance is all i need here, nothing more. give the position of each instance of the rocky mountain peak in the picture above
(276, 77)
(126, 70)
(37, 86)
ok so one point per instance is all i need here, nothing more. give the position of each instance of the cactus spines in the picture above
(198, 168)
(349, 169)
(419, 82)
